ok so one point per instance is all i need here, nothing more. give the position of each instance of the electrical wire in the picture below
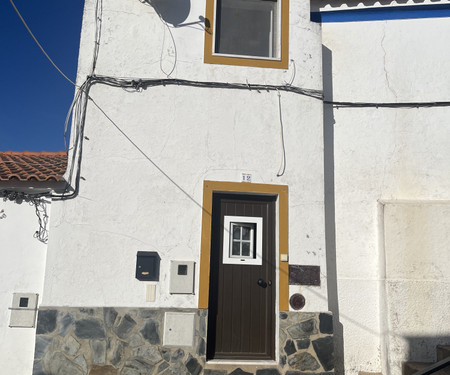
(145, 155)
(78, 93)
(39, 45)
(282, 168)
(78, 108)
(40, 207)
(293, 73)
(162, 46)
(98, 33)
(339, 104)
(139, 84)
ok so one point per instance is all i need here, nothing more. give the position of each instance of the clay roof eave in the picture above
(32, 167)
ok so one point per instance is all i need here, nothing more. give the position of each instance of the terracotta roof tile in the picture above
(32, 166)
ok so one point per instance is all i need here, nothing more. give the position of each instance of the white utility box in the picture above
(23, 310)
(181, 277)
(179, 329)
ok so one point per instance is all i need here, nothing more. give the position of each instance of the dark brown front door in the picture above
(241, 315)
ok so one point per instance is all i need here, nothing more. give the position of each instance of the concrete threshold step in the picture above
(410, 368)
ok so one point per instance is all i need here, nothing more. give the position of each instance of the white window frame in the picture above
(275, 40)
(227, 240)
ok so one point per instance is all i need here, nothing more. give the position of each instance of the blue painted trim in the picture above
(384, 13)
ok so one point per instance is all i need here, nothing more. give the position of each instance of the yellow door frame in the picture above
(210, 187)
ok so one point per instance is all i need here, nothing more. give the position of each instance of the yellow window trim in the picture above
(262, 63)
(210, 187)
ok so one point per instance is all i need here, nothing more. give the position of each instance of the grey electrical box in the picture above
(147, 266)
(181, 277)
(23, 310)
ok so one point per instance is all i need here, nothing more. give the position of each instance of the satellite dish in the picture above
(173, 12)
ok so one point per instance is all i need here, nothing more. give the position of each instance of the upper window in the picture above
(247, 32)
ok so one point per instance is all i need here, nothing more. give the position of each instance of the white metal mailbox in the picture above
(181, 277)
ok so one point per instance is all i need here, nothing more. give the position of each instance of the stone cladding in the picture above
(129, 341)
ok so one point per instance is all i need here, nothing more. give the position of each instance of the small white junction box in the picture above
(181, 277)
(23, 310)
(179, 329)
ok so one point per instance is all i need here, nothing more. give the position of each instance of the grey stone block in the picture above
(193, 366)
(46, 322)
(125, 327)
(70, 346)
(166, 354)
(64, 324)
(61, 365)
(303, 362)
(117, 354)
(289, 347)
(89, 329)
(324, 349)
(162, 367)
(202, 326)
(177, 355)
(283, 337)
(137, 366)
(326, 323)
(109, 316)
(201, 347)
(38, 368)
(136, 340)
(98, 348)
(177, 369)
(303, 344)
(282, 360)
(150, 332)
(81, 361)
(283, 315)
(42, 343)
(150, 353)
(303, 329)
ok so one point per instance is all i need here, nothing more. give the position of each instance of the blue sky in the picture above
(35, 97)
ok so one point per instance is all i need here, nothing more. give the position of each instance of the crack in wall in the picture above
(386, 74)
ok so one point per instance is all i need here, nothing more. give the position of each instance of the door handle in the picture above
(262, 283)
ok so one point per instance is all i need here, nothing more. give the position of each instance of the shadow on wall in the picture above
(173, 12)
(330, 232)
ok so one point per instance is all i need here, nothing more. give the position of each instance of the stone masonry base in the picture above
(129, 341)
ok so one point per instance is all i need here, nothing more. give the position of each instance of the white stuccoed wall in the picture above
(21, 271)
(386, 154)
(127, 205)
(416, 245)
